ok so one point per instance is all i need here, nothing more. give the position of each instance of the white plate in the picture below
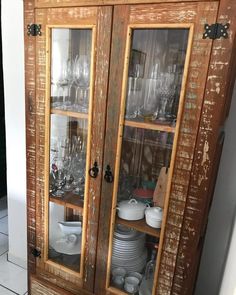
(62, 246)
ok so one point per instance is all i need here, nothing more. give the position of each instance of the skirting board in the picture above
(16, 260)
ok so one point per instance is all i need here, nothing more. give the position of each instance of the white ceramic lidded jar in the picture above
(154, 216)
(131, 209)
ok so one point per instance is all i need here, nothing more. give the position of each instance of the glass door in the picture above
(71, 68)
(148, 93)
(151, 109)
(75, 82)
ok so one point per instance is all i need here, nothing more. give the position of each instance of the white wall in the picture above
(221, 222)
(13, 61)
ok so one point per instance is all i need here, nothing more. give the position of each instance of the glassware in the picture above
(67, 162)
(69, 77)
(151, 93)
(167, 92)
(151, 96)
(78, 165)
(81, 74)
(58, 176)
(133, 97)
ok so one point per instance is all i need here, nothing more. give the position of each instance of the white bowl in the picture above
(70, 227)
(154, 217)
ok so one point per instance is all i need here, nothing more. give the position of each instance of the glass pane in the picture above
(68, 147)
(145, 155)
(70, 69)
(156, 66)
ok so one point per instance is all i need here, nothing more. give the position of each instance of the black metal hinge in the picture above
(34, 30)
(216, 31)
(36, 253)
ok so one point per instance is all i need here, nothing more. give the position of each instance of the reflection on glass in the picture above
(156, 65)
(133, 260)
(143, 156)
(67, 180)
(144, 153)
(70, 69)
(65, 235)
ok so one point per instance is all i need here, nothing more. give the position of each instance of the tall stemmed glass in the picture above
(62, 84)
(67, 163)
(69, 77)
(134, 93)
(167, 91)
(78, 166)
(58, 176)
(151, 94)
(82, 80)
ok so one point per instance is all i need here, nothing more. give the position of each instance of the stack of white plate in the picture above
(129, 249)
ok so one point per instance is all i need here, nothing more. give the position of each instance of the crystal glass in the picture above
(133, 97)
(82, 79)
(70, 68)
(58, 176)
(68, 150)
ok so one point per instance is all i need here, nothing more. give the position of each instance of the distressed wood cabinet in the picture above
(124, 99)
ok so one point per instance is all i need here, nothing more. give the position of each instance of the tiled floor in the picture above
(13, 278)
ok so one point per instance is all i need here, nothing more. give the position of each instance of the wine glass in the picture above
(151, 94)
(82, 79)
(133, 97)
(78, 165)
(69, 77)
(67, 165)
(62, 83)
(167, 92)
(58, 176)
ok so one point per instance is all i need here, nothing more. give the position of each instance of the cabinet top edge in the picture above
(71, 3)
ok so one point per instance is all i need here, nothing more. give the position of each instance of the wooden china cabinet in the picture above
(125, 100)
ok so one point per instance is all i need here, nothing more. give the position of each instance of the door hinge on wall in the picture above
(34, 30)
(216, 31)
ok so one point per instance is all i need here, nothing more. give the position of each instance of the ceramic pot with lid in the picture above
(131, 209)
(154, 216)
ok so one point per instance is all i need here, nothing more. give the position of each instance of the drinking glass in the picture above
(62, 84)
(151, 97)
(69, 77)
(133, 97)
(81, 75)
(167, 92)
(67, 165)
(58, 176)
(151, 87)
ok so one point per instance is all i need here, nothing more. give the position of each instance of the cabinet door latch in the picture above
(34, 30)
(216, 31)
(36, 253)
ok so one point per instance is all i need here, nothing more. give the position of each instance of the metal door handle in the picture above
(93, 172)
(108, 175)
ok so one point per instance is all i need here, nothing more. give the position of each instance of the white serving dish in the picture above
(131, 209)
(66, 245)
(70, 227)
(154, 216)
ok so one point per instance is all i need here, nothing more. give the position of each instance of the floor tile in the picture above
(12, 276)
(4, 291)
(3, 207)
(3, 243)
(4, 225)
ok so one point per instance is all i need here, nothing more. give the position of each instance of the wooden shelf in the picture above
(150, 126)
(141, 226)
(69, 114)
(69, 200)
